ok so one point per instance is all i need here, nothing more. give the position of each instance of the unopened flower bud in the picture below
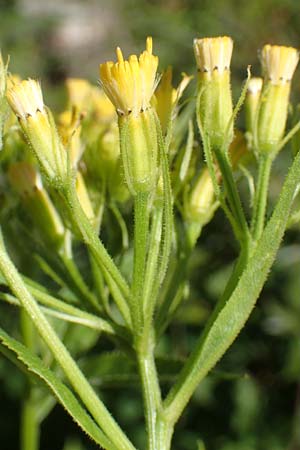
(239, 152)
(252, 103)
(83, 197)
(164, 99)
(69, 128)
(26, 100)
(200, 202)
(27, 182)
(278, 64)
(213, 56)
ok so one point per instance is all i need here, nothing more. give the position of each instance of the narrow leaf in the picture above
(229, 321)
(59, 389)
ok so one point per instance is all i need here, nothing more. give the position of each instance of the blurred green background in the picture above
(252, 400)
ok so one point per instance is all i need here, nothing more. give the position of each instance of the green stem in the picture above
(30, 430)
(122, 224)
(176, 277)
(57, 308)
(111, 273)
(99, 284)
(167, 203)
(150, 387)
(240, 265)
(80, 283)
(62, 356)
(164, 432)
(150, 291)
(261, 195)
(141, 231)
(232, 195)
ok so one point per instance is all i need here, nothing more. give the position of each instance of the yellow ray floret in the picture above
(279, 63)
(130, 84)
(26, 98)
(213, 54)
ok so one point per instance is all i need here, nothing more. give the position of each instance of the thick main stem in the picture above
(164, 432)
(142, 303)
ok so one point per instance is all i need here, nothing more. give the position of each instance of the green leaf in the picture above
(60, 390)
(228, 322)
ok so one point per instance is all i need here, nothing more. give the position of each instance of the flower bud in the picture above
(164, 99)
(279, 64)
(26, 100)
(27, 182)
(83, 197)
(239, 152)
(200, 202)
(69, 128)
(252, 103)
(213, 56)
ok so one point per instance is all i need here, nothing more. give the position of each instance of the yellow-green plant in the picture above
(137, 147)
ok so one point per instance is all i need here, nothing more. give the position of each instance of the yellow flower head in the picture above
(279, 63)
(25, 98)
(213, 54)
(130, 84)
